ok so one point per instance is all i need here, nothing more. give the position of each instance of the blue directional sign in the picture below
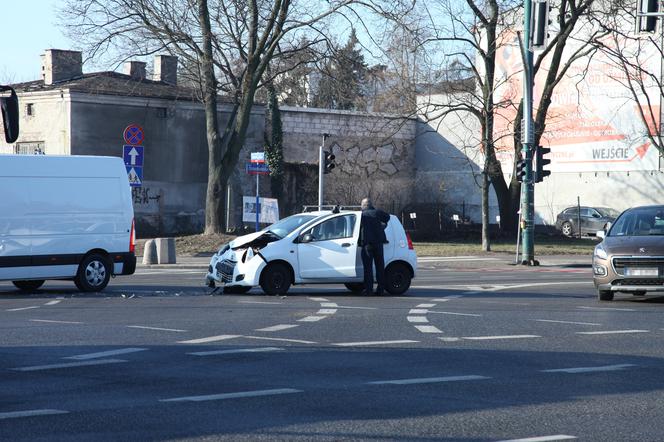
(132, 155)
(135, 175)
(257, 169)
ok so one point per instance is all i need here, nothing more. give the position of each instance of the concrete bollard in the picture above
(165, 250)
(150, 252)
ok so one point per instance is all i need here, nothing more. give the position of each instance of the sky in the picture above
(28, 28)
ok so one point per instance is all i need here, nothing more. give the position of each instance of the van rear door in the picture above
(15, 239)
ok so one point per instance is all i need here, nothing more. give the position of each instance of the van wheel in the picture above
(28, 286)
(276, 279)
(93, 274)
(236, 289)
(355, 287)
(605, 295)
(397, 278)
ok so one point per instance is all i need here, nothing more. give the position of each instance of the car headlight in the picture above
(223, 249)
(600, 252)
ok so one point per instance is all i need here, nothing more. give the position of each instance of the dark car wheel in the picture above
(93, 274)
(236, 289)
(605, 295)
(567, 229)
(397, 278)
(28, 286)
(355, 287)
(276, 279)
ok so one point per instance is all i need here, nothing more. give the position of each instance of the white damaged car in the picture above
(310, 248)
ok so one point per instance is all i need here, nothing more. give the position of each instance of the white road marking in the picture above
(69, 365)
(328, 304)
(428, 329)
(21, 308)
(488, 338)
(455, 314)
(612, 332)
(297, 341)
(429, 380)
(608, 308)
(565, 322)
(555, 437)
(449, 339)
(242, 394)
(311, 318)
(210, 339)
(320, 299)
(55, 301)
(103, 354)
(277, 327)
(425, 305)
(418, 311)
(156, 328)
(55, 322)
(326, 311)
(589, 369)
(359, 344)
(230, 352)
(30, 413)
(417, 319)
(259, 302)
(353, 307)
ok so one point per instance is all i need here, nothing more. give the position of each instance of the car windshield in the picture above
(644, 221)
(605, 211)
(285, 226)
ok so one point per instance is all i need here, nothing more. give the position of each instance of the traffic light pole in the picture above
(528, 146)
(321, 175)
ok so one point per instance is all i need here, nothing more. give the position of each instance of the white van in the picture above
(65, 217)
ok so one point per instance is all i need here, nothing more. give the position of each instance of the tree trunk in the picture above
(214, 198)
(486, 246)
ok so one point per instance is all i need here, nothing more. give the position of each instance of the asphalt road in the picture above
(476, 351)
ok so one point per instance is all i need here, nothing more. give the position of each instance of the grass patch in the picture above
(543, 246)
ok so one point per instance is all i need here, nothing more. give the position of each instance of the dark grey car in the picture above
(591, 219)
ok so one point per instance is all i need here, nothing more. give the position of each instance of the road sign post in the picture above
(257, 166)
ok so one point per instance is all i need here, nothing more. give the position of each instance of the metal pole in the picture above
(258, 208)
(527, 145)
(228, 207)
(321, 173)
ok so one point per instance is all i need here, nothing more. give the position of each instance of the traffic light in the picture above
(329, 161)
(520, 170)
(540, 162)
(539, 24)
(646, 24)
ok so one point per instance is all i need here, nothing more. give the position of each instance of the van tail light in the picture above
(132, 238)
(410, 242)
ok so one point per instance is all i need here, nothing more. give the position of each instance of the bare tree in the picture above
(230, 42)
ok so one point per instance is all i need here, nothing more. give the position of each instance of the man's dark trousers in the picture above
(373, 254)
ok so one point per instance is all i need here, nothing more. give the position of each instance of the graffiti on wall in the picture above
(146, 199)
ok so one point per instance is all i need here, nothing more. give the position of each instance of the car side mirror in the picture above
(307, 237)
(9, 110)
(601, 234)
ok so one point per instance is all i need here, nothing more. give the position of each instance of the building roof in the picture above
(114, 83)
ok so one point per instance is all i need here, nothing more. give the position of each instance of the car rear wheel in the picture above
(397, 278)
(28, 286)
(567, 229)
(93, 274)
(276, 279)
(236, 289)
(605, 295)
(355, 287)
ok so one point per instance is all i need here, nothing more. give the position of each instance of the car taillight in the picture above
(132, 238)
(410, 242)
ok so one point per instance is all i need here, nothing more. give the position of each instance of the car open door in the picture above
(328, 250)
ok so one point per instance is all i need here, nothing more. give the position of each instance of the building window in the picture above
(30, 109)
(30, 148)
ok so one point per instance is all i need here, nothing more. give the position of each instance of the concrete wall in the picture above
(375, 154)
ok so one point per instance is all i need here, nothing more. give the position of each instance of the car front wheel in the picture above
(28, 286)
(397, 278)
(567, 229)
(605, 295)
(276, 279)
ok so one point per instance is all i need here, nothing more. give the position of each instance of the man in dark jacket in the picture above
(372, 238)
